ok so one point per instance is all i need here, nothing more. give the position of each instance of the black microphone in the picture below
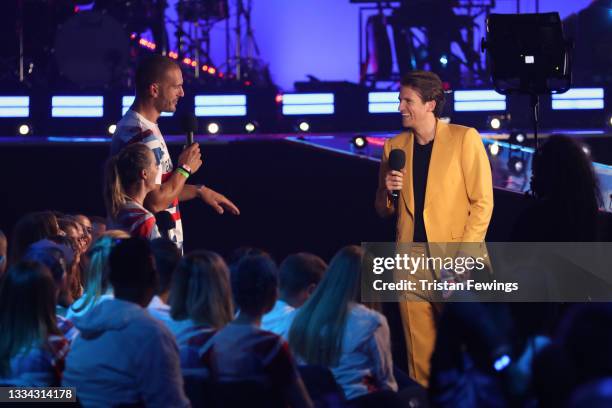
(397, 161)
(189, 123)
(165, 223)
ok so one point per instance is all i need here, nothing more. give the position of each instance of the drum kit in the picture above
(87, 42)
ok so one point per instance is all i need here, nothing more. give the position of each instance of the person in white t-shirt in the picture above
(299, 275)
(159, 86)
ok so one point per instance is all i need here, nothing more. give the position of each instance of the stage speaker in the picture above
(527, 53)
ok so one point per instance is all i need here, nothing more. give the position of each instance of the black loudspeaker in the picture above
(527, 53)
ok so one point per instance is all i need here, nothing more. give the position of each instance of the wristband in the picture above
(186, 168)
(183, 172)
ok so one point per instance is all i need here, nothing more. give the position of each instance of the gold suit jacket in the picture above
(459, 191)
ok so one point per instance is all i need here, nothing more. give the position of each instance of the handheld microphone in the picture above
(189, 123)
(165, 223)
(397, 161)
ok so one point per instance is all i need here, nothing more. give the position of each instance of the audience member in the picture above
(30, 228)
(200, 304)
(332, 329)
(74, 230)
(58, 259)
(123, 355)
(32, 349)
(580, 354)
(299, 275)
(98, 225)
(565, 188)
(85, 223)
(167, 256)
(241, 351)
(97, 287)
(129, 176)
(74, 287)
(487, 361)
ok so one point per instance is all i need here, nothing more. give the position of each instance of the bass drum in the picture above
(92, 50)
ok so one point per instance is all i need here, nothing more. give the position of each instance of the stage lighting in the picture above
(494, 149)
(250, 127)
(359, 142)
(111, 129)
(586, 149)
(304, 126)
(610, 120)
(213, 128)
(516, 165)
(444, 60)
(518, 137)
(24, 129)
(495, 123)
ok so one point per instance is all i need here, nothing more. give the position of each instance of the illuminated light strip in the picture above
(478, 95)
(220, 110)
(14, 112)
(77, 101)
(77, 112)
(308, 104)
(308, 109)
(383, 107)
(127, 101)
(174, 55)
(479, 106)
(221, 105)
(15, 101)
(220, 100)
(565, 104)
(62, 139)
(308, 99)
(478, 100)
(579, 98)
(14, 106)
(581, 93)
(376, 97)
(77, 106)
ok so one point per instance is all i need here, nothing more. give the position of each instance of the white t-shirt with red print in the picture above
(135, 128)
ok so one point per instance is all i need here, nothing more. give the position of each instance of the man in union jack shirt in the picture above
(159, 86)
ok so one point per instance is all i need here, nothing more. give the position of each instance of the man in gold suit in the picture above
(446, 195)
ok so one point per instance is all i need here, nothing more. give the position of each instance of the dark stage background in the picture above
(292, 197)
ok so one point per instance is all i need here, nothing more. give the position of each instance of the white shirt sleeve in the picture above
(379, 346)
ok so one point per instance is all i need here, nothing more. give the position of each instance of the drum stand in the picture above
(250, 44)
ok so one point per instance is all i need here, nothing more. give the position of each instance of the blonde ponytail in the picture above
(114, 195)
(123, 171)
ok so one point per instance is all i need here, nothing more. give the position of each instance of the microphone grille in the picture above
(397, 159)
